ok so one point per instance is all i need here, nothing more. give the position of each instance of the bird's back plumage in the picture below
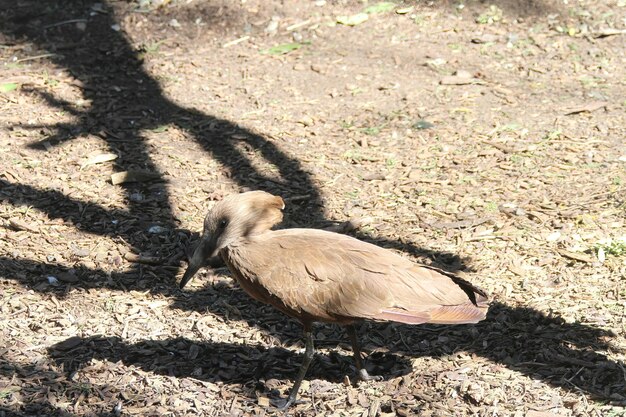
(316, 275)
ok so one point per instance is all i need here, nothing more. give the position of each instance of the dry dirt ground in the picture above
(485, 138)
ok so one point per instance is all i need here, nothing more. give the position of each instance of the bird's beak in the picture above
(200, 256)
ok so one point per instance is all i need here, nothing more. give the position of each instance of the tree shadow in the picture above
(513, 8)
(120, 91)
(544, 347)
(125, 103)
(522, 339)
(228, 363)
(39, 384)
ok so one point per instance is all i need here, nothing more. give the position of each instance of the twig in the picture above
(622, 368)
(408, 348)
(8, 99)
(32, 58)
(236, 41)
(65, 22)
(574, 376)
(298, 25)
(298, 197)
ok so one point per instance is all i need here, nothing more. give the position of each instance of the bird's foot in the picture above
(362, 375)
(282, 404)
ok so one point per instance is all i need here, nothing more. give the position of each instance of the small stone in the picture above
(272, 26)
(317, 68)
(463, 74)
(306, 121)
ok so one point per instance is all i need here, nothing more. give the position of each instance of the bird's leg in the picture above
(309, 352)
(358, 362)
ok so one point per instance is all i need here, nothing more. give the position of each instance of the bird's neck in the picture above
(251, 237)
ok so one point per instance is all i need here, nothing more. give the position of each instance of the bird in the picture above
(320, 276)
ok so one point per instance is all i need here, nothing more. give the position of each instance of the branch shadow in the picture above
(211, 361)
(114, 82)
(524, 340)
(544, 347)
(39, 384)
(118, 88)
(514, 8)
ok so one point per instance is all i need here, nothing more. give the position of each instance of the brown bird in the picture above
(315, 275)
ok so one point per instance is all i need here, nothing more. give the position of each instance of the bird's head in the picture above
(236, 216)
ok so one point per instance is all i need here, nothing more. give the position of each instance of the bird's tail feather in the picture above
(459, 314)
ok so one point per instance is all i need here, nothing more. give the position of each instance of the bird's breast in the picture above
(244, 271)
(269, 279)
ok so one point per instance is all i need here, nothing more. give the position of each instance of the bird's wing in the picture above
(329, 275)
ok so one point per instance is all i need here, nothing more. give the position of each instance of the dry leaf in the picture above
(98, 159)
(576, 256)
(603, 33)
(588, 107)
(19, 225)
(355, 19)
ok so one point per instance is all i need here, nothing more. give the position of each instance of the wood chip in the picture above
(374, 407)
(458, 80)
(141, 259)
(576, 256)
(373, 177)
(461, 224)
(21, 226)
(603, 33)
(67, 277)
(98, 159)
(68, 344)
(485, 38)
(535, 413)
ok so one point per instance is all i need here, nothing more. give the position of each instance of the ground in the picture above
(486, 138)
